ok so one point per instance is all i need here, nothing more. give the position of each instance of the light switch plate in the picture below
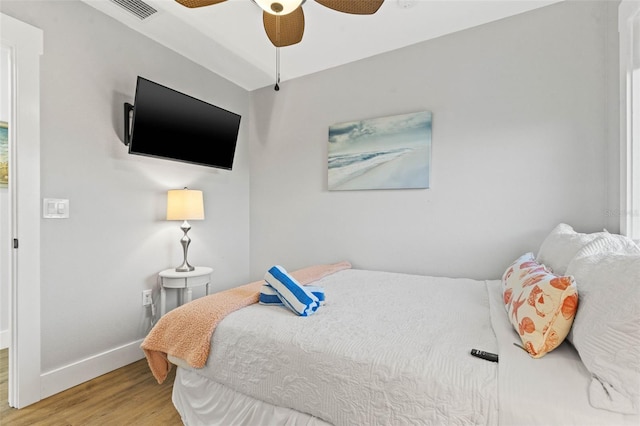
(55, 208)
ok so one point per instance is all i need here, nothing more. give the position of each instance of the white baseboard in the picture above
(4, 339)
(63, 378)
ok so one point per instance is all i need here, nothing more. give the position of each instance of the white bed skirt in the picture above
(203, 402)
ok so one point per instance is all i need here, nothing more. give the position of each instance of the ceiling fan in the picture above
(284, 20)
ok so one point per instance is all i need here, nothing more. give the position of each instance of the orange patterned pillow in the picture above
(541, 306)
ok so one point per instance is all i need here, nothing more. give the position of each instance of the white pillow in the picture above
(609, 243)
(606, 329)
(561, 245)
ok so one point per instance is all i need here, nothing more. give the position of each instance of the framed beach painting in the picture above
(4, 154)
(391, 152)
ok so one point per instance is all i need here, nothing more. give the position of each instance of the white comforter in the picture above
(385, 349)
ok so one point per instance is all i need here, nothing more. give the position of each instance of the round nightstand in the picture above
(170, 278)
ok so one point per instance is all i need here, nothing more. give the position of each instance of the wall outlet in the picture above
(146, 298)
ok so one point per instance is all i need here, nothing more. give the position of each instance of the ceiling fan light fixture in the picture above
(278, 7)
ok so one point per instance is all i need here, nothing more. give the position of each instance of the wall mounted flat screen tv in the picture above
(165, 123)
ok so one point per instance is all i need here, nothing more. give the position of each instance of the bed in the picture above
(390, 348)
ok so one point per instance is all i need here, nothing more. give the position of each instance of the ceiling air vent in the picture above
(138, 8)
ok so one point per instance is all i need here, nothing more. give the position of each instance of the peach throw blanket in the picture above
(185, 332)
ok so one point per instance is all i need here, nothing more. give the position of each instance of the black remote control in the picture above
(485, 355)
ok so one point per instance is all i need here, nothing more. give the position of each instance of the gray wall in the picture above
(96, 263)
(524, 137)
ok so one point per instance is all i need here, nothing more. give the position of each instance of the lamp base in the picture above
(184, 241)
(187, 268)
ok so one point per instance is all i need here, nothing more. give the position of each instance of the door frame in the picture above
(26, 46)
(628, 19)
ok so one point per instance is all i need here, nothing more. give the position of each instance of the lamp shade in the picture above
(185, 204)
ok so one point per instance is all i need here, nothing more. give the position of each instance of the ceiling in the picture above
(229, 39)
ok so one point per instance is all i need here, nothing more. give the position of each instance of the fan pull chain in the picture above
(277, 87)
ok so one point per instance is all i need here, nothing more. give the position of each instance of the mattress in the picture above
(385, 349)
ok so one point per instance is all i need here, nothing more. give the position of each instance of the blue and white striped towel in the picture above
(293, 295)
(269, 295)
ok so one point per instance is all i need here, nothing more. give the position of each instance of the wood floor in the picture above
(127, 396)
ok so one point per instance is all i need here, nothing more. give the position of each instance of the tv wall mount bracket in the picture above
(128, 121)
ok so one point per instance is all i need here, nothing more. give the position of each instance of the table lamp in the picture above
(185, 204)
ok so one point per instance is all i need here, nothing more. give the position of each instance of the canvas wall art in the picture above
(391, 152)
(4, 154)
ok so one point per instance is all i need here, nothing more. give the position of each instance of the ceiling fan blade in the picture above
(198, 3)
(284, 30)
(356, 7)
